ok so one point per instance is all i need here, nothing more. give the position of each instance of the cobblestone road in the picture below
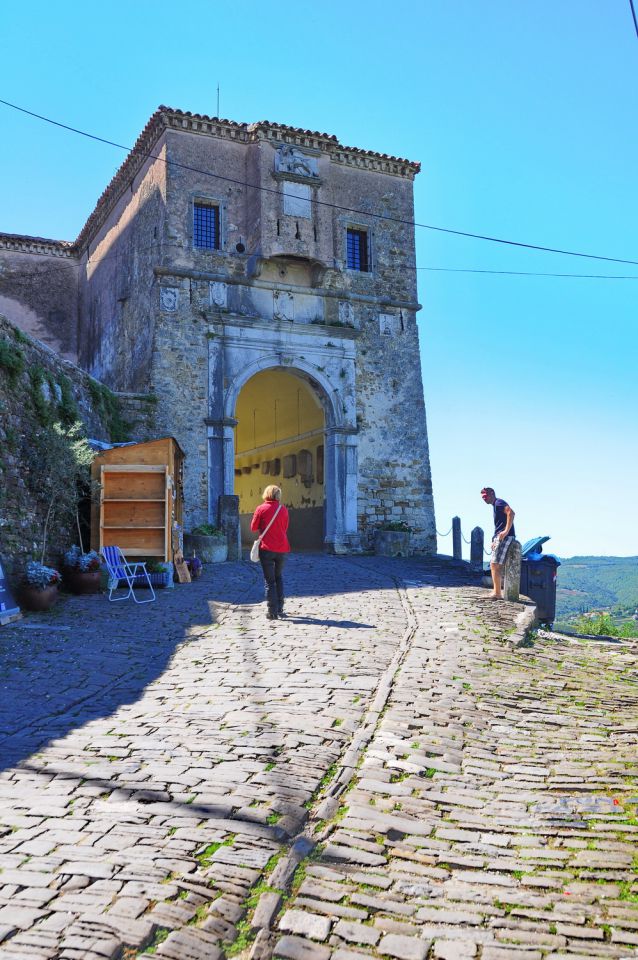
(380, 775)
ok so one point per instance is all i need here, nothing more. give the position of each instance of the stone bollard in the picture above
(512, 572)
(228, 521)
(457, 546)
(477, 540)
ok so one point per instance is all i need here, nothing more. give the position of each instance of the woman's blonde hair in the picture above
(272, 492)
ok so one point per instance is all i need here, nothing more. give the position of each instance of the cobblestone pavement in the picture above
(383, 774)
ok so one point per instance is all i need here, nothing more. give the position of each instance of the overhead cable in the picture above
(324, 203)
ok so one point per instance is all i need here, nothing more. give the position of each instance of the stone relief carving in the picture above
(283, 305)
(346, 313)
(218, 293)
(289, 159)
(169, 297)
(388, 324)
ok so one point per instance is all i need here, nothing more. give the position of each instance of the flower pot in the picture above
(82, 581)
(208, 549)
(159, 578)
(37, 599)
(392, 543)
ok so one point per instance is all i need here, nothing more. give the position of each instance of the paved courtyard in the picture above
(383, 774)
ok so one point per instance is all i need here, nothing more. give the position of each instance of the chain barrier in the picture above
(444, 534)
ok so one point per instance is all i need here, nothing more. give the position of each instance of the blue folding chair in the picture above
(120, 569)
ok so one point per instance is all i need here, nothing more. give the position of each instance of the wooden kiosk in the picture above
(141, 498)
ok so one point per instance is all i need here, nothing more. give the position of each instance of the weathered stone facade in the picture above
(191, 325)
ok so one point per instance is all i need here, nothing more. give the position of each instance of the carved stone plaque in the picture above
(169, 297)
(283, 305)
(218, 293)
(297, 199)
(388, 324)
(289, 159)
(346, 313)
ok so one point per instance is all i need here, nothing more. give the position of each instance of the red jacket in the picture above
(276, 538)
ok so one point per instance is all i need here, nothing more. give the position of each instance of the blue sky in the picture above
(523, 116)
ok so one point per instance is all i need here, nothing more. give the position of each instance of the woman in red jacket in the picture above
(272, 517)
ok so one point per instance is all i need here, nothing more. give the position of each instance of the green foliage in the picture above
(597, 583)
(11, 360)
(67, 407)
(398, 525)
(602, 625)
(208, 530)
(38, 375)
(107, 405)
(57, 462)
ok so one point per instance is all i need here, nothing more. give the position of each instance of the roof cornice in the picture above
(167, 118)
(21, 243)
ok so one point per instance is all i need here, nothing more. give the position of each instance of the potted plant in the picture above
(159, 573)
(81, 570)
(207, 542)
(392, 539)
(39, 587)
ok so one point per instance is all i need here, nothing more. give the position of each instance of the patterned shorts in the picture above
(499, 549)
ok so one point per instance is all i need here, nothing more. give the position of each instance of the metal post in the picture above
(512, 572)
(457, 545)
(476, 550)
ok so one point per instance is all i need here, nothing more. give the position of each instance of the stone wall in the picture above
(39, 290)
(37, 390)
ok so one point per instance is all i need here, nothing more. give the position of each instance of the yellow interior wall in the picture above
(274, 411)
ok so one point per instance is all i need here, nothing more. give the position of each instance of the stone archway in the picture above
(340, 446)
(280, 439)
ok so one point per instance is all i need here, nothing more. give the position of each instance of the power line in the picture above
(324, 203)
(528, 273)
(118, 254)
(633, 13)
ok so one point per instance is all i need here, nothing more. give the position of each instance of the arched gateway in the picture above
(287, 423)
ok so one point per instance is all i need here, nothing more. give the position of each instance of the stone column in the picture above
(341, 483)
(228, 521)
(476, 549)
(512, 572)
(221, 461)
(457, 546)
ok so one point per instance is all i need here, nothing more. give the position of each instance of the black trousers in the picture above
(272, 565)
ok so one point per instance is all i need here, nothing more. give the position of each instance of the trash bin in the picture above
(538, 578)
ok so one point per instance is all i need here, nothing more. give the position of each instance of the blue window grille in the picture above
(357, 253)
(206, 226)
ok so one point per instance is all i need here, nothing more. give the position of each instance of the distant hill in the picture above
(597, 583)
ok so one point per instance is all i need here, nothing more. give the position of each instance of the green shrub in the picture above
(602, 625)
(67, 407)
(107, 405)
(208, 530)
(11, 360)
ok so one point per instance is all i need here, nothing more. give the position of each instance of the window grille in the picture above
(357, 254)
(206, 226)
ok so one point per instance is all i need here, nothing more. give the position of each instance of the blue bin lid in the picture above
(533, 545)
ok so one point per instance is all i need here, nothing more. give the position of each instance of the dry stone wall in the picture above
(38, 390)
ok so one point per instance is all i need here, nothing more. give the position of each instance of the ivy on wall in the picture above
(107, 405)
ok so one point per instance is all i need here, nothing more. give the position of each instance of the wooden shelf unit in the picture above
(140, 498)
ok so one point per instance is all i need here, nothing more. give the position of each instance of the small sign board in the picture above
(9, 609)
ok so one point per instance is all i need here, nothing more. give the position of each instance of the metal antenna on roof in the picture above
(218, 99)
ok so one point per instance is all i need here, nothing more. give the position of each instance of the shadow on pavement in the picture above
(88, 657)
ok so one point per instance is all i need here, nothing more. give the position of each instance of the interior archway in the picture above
(280, 439)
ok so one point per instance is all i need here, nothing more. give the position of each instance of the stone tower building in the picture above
(258, 280)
